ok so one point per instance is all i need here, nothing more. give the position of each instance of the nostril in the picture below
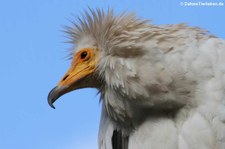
(65, 77)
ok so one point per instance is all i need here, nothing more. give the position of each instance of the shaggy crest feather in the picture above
(108, 30)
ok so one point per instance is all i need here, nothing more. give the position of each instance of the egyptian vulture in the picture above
(161, 86)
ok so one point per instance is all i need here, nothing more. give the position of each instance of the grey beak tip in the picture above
(54, 94)
(51, 105)
(52, 97)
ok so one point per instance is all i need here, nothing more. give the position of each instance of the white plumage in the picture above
(162, 87)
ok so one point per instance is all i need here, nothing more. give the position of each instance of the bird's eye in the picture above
(83, 55)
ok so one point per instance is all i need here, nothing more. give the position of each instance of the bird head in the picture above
(106, 49)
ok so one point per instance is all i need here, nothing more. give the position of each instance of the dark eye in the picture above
(83, 55)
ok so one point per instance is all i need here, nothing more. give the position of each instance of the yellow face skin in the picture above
(83, 64)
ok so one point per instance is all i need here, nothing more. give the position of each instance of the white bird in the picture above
(161, 86)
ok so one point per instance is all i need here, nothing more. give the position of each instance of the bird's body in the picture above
(161, 86)
(193, 78)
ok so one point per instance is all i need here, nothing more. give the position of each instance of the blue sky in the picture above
(32, 61)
